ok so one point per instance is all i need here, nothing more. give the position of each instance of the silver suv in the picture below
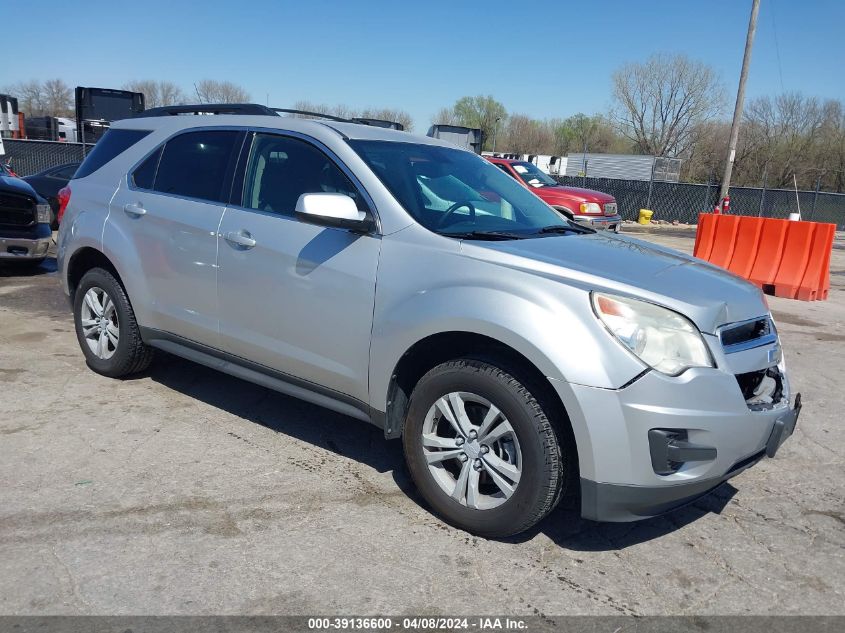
(413, 285)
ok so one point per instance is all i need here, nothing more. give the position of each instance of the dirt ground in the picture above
(184, 491)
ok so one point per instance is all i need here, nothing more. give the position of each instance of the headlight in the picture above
(590, 207)
(43, 213)
(659, 337)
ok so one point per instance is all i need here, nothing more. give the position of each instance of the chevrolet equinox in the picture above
(411, 284)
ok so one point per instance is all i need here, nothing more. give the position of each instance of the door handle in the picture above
(135, 209)
(240, 238)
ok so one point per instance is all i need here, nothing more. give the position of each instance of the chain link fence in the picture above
(669, 200)
(684, 201)
(27, 157)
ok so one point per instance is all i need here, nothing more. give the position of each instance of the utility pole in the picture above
(740, 98)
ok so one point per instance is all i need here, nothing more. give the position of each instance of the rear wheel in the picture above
(481, 449)
(106, 328)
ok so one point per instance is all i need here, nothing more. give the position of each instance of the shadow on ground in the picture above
(365, 443)
(21, 268)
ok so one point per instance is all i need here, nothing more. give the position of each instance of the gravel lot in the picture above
(184, 491)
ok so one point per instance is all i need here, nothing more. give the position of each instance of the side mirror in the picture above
(333, 209)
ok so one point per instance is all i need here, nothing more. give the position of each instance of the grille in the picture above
(610, 208)
(737, 337)
(16, 210)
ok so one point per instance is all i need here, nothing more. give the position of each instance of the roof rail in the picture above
(255, 108)
(391, 125)
(318, 115)
(209, 108)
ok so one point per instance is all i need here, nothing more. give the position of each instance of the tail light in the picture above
(64, 198)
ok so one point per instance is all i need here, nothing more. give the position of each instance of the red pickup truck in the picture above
(593, 208)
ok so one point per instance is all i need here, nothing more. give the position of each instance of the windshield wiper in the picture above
(566, 228)
(486, 235)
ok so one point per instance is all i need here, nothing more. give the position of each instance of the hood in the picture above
(708, 295)
(11, 184)
(573, 193)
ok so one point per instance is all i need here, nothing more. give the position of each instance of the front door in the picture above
(296, 297)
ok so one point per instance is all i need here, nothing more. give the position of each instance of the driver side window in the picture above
(281, 169)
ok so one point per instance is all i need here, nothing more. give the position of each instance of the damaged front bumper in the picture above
(664, 441)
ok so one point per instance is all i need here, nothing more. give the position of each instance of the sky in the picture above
(543, 59)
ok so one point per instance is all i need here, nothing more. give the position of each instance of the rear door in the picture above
(296, 297)
(170, 207)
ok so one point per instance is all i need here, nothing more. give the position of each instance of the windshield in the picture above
(454, 192)
(532, 176)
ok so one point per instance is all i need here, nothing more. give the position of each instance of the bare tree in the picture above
(390, 114)
(31, 97)
(659, 102)
(58, 98)
(445, 116)
(156, 92)
(213, 91)
(785, 135)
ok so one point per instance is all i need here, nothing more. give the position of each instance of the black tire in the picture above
(131, 355)
(544, 471)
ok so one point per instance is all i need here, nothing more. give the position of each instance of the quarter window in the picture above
(144, 176)
(195, 164)
(281, 169)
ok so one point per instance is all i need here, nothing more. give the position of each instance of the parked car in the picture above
(24, 223)
(585, 206)
(408, 283)
(49, 182)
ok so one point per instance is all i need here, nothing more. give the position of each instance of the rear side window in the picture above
(113, 143)
(144, 176)
(195, 164)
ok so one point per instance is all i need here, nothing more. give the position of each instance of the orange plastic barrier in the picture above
(787, 259)
(815, 285)
(724, 241)
(704, 235)
(746, 246)
(769, 253)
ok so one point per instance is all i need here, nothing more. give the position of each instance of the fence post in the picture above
(584, 178)
(763, 191)
(650, 184)
(705, 208)
(816, 196)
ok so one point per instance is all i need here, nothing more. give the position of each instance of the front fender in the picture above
(423, 291)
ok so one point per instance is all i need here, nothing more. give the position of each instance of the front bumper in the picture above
(620, 477)
(600, 222)
(24, 245)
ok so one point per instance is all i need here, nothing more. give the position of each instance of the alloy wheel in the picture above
(100, 325)
(471, 450)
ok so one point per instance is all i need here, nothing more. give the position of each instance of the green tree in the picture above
(481, 112)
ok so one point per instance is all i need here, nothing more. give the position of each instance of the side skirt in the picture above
(261, 375)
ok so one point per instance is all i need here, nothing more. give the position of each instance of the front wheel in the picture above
(481, 449)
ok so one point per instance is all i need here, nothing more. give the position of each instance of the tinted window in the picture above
(195, 164)
(114, 142)
(144, 175)
(281, 169)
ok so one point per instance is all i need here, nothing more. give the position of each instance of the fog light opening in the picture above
(671, 449)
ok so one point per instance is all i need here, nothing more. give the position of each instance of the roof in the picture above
(312, 127)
